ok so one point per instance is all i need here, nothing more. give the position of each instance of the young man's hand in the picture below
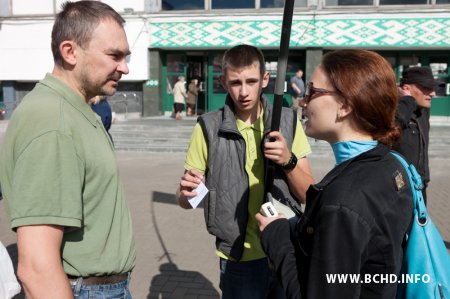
(277, 150)
(189, 181)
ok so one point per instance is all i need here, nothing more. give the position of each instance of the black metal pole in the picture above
(279, 85)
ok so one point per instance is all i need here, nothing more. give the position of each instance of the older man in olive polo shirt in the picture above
(58, 168)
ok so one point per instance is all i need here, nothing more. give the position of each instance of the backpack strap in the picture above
(416, 184)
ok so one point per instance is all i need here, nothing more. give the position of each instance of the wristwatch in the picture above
(291, 163)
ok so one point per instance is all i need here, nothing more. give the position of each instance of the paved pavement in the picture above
(175, 253)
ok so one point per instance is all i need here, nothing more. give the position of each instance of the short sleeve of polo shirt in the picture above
(197, 155)
(47, 183)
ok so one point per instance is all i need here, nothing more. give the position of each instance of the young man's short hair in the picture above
(243, 56)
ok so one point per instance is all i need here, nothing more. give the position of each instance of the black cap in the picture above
(421, 76)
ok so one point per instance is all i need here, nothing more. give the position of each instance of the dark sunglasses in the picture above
(311, 92)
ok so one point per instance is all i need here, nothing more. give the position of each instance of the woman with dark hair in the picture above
(348, 243)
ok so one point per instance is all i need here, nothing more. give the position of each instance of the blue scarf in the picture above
(348, 149)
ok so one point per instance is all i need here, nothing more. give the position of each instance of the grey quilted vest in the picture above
(226, 206)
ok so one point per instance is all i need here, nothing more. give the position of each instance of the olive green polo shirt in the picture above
(58, 167)
(197, 158)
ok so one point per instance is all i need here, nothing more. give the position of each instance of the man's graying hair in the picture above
(77, 21)
(243, 56)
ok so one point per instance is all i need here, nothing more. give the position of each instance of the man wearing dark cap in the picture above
(417, 88)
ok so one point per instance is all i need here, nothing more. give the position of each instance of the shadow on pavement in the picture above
(175, 283)
(171, 282)
(163, 198)
(168, 198)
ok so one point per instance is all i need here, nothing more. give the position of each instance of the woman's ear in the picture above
(343, 111)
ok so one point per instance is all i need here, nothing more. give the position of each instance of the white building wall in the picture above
(48, 7)
(25, 53)
(138, 39)
(120, 5)
(27, 7)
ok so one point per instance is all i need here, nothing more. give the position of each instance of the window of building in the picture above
(348, 2)
(271, 68)
(404, 2)
(409, 61)
(175, 63)
(224, 4)
(439, 67)
(217, 72)
(183, 4)
(280, 3)
(381, 2)
(272, 3)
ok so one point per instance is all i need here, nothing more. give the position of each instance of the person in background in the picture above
(357, 217)
(227, 150)
(192, 95)
(297, 91)
(58, 170)
(179, 96)
(417, 88)
(101, 106)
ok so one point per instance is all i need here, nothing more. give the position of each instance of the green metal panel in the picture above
(440, 106)
(166, 98)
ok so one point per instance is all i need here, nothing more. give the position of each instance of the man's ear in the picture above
(68, 50)
(223, 82)
(265, 79)
(406, 87)
(404, 90)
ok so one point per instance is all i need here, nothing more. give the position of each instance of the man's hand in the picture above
(263, 222)
(277, 150)
(189, 181)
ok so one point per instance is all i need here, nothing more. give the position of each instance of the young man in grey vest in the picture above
(228, 153)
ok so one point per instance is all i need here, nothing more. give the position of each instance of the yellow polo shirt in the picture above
(197, 158)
